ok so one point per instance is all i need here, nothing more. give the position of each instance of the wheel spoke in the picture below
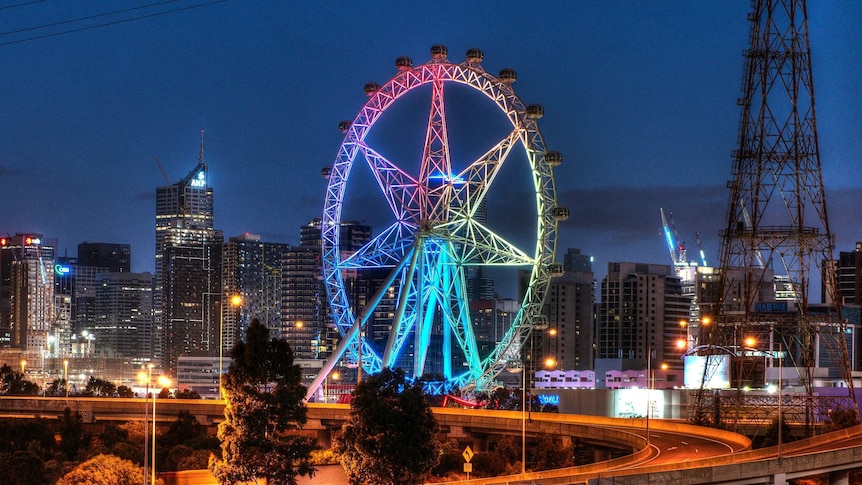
(398, 187)
(476, 245)
(384, 250)
(477, 178)
(436, 169)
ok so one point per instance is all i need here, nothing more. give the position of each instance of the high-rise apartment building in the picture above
(570, 310)
(187, 288)
(306, 320)
(251, 271)
(640, 310)
(27, 291)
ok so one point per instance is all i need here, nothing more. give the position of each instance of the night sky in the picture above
(640, 97)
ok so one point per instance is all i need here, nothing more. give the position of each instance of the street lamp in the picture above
(66, 376)
(146, 377)
(235, 302)
(23, 365)
(163, 382)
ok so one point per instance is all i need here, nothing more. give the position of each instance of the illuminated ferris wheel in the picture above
(422, 259)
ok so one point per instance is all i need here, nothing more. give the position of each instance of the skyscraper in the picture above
(115, 257)
(306, 308)
(27, 291)
(640, 310)
(253, 271)
(123, 316)
(570, 310)
(187, 287)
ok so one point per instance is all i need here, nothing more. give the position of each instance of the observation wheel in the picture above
(415, 312)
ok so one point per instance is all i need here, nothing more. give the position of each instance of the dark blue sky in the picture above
(639, 96)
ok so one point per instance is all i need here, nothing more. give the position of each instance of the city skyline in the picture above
(640, 99)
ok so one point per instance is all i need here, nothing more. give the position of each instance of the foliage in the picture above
(13, 383)
(100, 388)
(18, 435)
(841, 418)
(449, 462)
(324, 457)
(56, 388)
(183, 430)
(502, 398)
(125, 391)
(105, 470)
(509, 449)
(549, 453)
(187, 394)
(264, 393)
(21, 468)
(72, 436)
(165, 393)
(489, 464)
(390, 437)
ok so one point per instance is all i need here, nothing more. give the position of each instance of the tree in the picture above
(264, 404)
(100, 388)
(13, 383)
(390, 438)
(72, 436)
(125, 391)
(21, 468)
(105, 470)
(549, 453)
(187, 394)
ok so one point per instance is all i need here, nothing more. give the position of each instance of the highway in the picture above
(680, 452)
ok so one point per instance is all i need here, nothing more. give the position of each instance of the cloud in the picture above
(10, 172)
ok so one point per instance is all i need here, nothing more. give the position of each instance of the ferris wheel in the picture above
(418, 316)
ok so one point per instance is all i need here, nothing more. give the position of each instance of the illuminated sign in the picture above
(771, 306)
(547, 399)
(200, 180)
(62, 270)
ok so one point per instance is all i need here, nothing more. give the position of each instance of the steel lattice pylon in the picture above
(435, 233)
(777, 228)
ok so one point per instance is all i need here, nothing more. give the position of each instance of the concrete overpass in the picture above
(660, 451)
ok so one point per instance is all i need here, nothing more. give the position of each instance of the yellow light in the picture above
(683, 323)
(336, 376)
(705, 321)
(298, 324)
(664, 366)
(550, 362)
(164, 381)
(750, 341)
(236, 300)
(552, 332)
(680, 344)
(142, 377)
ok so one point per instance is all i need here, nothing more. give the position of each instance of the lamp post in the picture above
(66, 377)
(523, 420)
(164, 382)
(235, 302)
(146, 378)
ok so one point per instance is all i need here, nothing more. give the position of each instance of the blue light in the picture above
(552, 399)
(62, 270)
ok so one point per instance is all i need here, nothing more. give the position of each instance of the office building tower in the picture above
(123, 317)
(115, 257)
(252, 277)
(570, 310)
(187, 288)
(27, 291)
(640, 311)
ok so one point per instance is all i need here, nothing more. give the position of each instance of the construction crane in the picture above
(700, 249)
(677, 251)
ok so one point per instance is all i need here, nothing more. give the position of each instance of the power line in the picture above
(90, 17)
(23, 4)
(106, 24)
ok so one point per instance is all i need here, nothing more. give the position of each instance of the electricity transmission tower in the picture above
(776, 237)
